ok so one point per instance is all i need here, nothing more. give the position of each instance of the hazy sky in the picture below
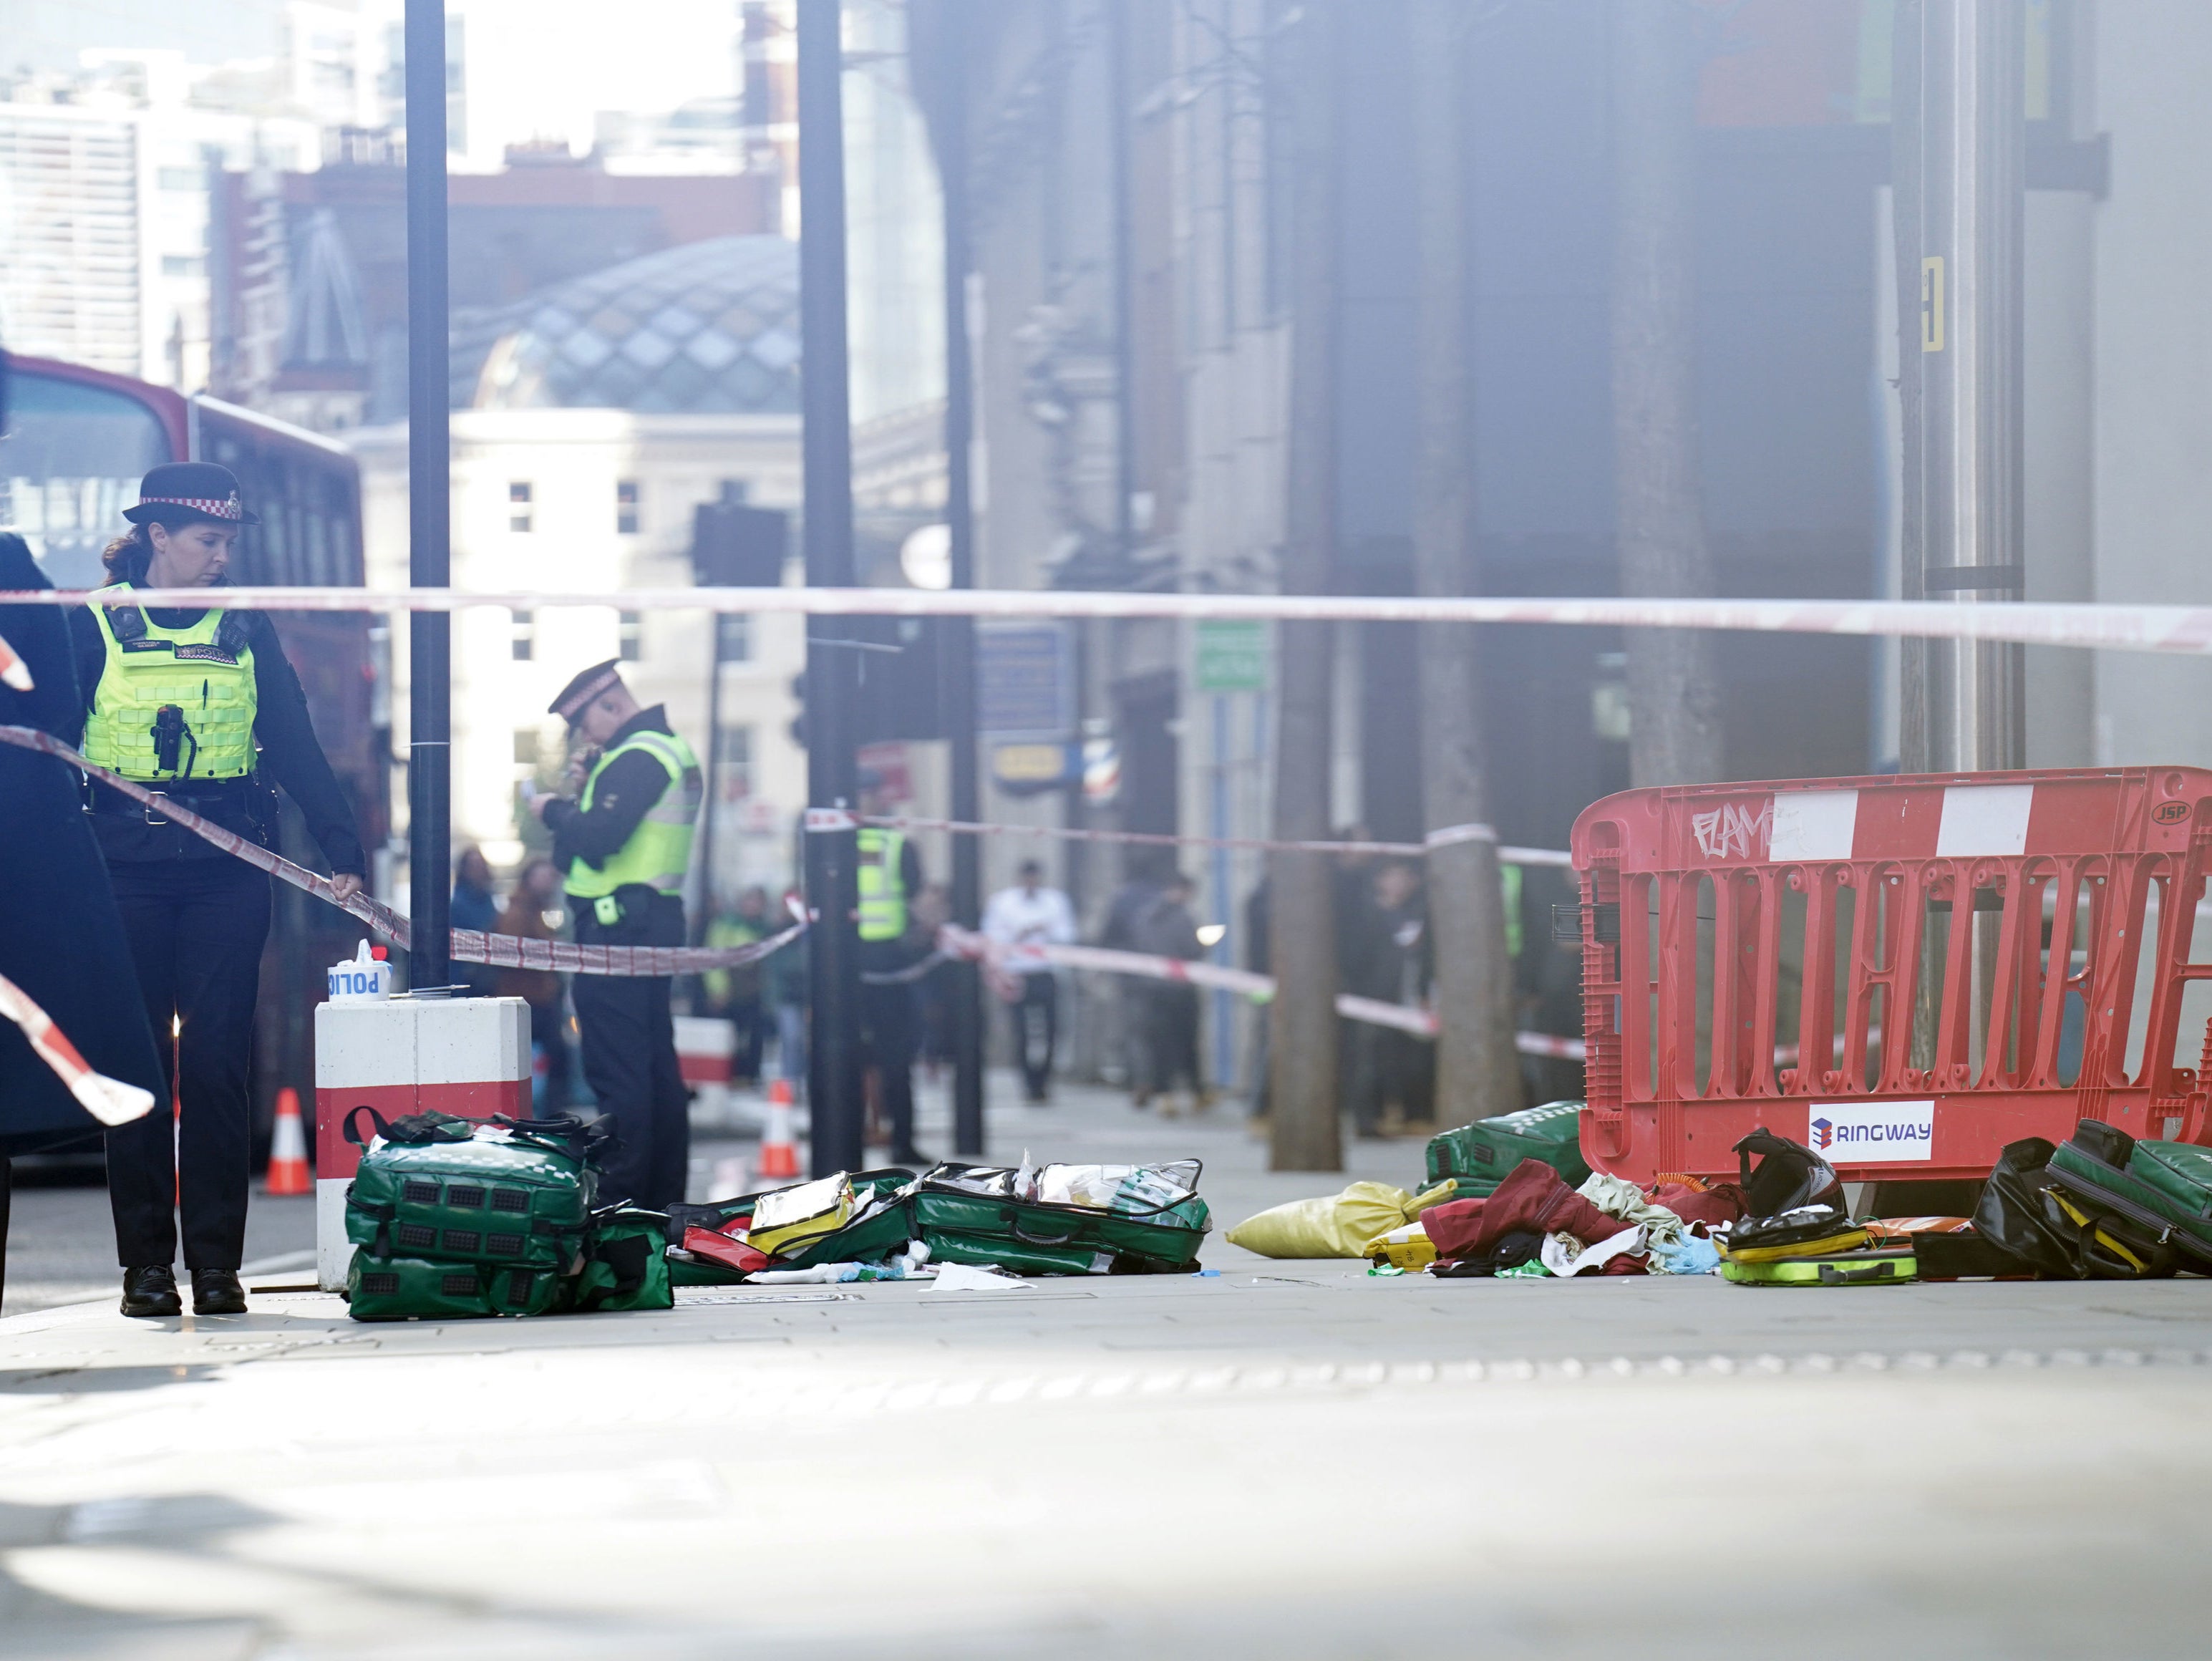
(536, 68)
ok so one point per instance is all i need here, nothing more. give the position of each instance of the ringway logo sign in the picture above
(1873, 1133)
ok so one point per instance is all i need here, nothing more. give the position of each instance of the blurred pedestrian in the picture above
(1029, 914)
(1144, 871)
(733, 994)
(534, 912)
(473, 907)
(784, 987)
(1405, 1064)
(1364, 969)
(1168, 1010)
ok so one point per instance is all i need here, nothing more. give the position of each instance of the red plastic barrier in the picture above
(1729, 931)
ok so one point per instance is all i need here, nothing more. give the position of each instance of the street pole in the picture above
(955, 656)
(429, 501)
(1972, 208)
(1961, 214)
(834, 1075)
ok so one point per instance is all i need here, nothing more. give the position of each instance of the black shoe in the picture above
(151, 1291)
(216, 1292)
(912, 1157)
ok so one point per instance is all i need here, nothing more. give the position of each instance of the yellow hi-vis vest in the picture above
(883, 884)
(659, 851)
(206, 671)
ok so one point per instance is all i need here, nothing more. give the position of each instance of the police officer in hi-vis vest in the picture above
(201, 706)
(625, 844)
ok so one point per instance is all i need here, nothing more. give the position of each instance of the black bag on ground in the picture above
(1965, 1255)
(2010, 1213)
(1789, 1176)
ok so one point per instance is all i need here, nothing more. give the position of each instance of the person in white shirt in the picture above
(1029, 914)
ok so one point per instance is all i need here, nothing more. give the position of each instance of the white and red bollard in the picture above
(706, 1057)
(401, 1056)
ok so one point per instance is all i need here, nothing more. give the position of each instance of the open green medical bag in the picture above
(1153, 1224)
(1476, 1157)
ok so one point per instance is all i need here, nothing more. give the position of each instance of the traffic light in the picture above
(734, 546)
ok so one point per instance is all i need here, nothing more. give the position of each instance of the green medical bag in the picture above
(973, 1215)
(414, 1289)
(2163, 1188)
(1477, 1156)
(625, 1263)
(437, 1186)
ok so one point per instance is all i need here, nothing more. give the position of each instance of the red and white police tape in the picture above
(1451, 834)
(955, 941)
(2118, 627)
(14, 672)
(470, 945)
(110, 1101)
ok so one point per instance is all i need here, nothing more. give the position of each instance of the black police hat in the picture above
(577, 697)
(178, 492)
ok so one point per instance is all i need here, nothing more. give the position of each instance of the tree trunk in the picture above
(1673, 684)
(1302, 1073)
(1478, 1069)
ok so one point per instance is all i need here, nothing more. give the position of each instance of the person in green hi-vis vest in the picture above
(625, 844)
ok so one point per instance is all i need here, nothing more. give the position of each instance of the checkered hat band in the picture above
(574, 703)
(223, 508)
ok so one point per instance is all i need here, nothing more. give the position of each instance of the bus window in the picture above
(69, 464)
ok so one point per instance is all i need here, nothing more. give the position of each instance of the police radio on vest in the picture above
(361, 977)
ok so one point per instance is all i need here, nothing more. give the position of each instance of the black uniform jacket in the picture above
(60, 938)
(289, 752)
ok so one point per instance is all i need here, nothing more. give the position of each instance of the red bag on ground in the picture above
(715, 1248)
(1722, 1202)
(1531, 1198)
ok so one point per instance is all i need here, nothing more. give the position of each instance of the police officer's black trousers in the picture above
(887, 1016)
(628, 1040)
(196, 929)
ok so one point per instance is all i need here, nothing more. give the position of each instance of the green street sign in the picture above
(1231, 656)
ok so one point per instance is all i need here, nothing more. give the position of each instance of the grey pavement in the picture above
(1280, 1461)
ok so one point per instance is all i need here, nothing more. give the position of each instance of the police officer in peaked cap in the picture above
(624, 845)
(200, 706)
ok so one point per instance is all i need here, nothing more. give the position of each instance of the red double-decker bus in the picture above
(74, 444)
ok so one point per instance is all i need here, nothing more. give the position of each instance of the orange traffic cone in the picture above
(779, 1154)
(287, 1148)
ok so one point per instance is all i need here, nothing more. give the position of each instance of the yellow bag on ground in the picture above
(791, 1218)
(1334, 1225)
(1408, 1248)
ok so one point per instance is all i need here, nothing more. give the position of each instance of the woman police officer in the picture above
(194, 704)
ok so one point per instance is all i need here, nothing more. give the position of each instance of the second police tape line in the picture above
(1002, 959)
